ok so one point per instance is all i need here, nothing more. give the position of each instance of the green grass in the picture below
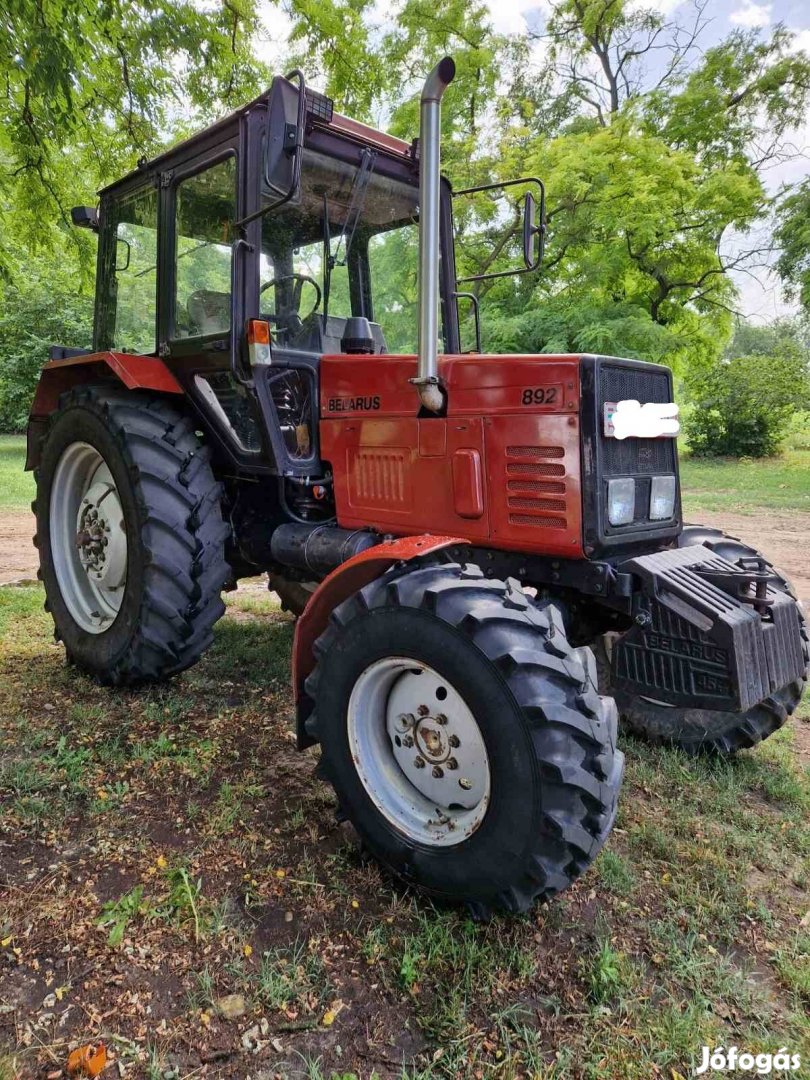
(746, 486)
(16, 485)
(211, 831)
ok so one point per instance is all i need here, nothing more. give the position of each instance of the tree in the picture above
(742, 404)
(793, 237)
(88, 89)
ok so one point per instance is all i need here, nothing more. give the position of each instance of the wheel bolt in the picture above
(419, 762)
(441, 719)
(423, 710)
(406, 720)
(451, 763)
(465, 783)
(454, 741)
(407, 741)
(438, 772)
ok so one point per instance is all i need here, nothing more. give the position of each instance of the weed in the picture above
(117, 914)
(293, 974)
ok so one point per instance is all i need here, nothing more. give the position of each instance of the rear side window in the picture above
(205, 211)
(134, 293)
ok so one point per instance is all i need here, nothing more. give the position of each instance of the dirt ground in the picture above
(18, 556)
(783, 535)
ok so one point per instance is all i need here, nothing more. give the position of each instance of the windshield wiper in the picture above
(357, 201)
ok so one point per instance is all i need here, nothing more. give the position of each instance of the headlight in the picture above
(662, 498)
(621, 501)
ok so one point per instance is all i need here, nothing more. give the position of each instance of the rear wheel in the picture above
(130, 535)
(703, 730)
(464, 737)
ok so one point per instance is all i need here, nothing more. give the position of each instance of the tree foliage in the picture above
(743, 402)
(653, 146)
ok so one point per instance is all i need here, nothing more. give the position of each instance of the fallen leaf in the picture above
(87, 1060)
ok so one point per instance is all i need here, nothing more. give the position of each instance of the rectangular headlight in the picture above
(662, 498)
(621, 501)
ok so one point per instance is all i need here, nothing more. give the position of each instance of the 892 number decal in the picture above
(539, 395)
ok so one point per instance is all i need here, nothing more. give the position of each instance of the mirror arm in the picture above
(537, 229)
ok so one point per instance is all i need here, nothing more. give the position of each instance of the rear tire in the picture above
(157, 617)
(702, 730)
(512, 683)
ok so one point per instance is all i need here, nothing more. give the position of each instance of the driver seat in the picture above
(209, 312)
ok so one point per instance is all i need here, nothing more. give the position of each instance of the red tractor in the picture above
(458, 532)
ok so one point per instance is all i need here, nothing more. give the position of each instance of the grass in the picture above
(188, 848)
(747, 486)
(16, 485)
(168, 846)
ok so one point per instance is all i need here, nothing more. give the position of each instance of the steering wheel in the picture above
(300, 280)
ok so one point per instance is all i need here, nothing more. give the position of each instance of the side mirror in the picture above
(85, 217)
(533, 229)
(533, 249)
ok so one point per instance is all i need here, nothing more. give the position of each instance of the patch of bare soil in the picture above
(782, 536)
(18, 556)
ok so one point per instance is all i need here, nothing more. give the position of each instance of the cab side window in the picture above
(133, 283)
(205, 210)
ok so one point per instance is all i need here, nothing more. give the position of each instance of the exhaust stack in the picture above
(427, 380)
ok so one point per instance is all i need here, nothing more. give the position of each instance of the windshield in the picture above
(369, 225)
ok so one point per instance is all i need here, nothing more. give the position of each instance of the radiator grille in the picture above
(622, 457)
(540, 469)
(523, 486)
(549, 487)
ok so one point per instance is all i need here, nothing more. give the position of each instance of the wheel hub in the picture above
(88, 537)
(422, 758)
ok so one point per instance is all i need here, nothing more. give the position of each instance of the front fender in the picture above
(345, 580)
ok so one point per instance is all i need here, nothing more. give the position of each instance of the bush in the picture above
(742, 405)
(33, 316)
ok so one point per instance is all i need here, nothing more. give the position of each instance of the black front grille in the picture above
(609, 379)
(625, 457)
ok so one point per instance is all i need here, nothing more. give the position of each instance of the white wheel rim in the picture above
(402, 712)
(88, 538)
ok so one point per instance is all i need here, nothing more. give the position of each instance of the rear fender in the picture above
(347, 579)
(132, 371)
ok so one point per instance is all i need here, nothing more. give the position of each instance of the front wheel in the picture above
(464, 736)
(130, 535)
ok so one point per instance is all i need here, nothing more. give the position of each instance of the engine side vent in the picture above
(523, 486)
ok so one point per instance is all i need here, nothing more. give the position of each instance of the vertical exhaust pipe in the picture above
(427, 380)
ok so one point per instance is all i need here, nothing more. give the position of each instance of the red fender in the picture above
(134, 371)
(348, 578)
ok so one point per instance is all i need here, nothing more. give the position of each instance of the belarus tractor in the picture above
(486, 574)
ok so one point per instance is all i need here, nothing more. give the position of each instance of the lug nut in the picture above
(419, 762)
(423, 710)
(451, 763)
(407, 741)
(454, 741)
(441, 719)
(438, 772)
(465, 783)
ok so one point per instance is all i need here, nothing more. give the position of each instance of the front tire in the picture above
(469, 669)
(130, 535)
(702, 730)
